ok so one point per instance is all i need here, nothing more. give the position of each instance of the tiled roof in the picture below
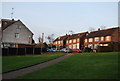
(6, 23)
(100, 33)
(78, 35)
(73, 36)
(61, 38)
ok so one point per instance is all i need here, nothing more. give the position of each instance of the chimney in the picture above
(98, 29)
(12, 19)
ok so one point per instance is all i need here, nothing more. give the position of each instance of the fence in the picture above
(21, 51)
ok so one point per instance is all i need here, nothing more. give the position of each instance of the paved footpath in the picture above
(24, 71)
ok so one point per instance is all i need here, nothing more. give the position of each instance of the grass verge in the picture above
(81, 66)
(10, 63)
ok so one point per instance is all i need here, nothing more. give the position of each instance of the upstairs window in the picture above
(56, 42)
(78, 40)
(67, 41)
(85, 40)
(61, 42)
(70, 41)
(108, 38)
(96, 38)
(18, 26)
(90, 40)
(102, 38)
(74, 41)
(16, 35)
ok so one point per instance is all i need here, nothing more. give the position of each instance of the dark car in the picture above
(77, 51)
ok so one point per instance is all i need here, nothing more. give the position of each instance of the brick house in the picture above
(76, 41)
(60, 42)
(15, 34)
(102, 37)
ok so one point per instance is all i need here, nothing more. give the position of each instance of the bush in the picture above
(88, 49)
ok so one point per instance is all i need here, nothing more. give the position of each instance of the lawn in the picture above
(15, 62)
(80, 66)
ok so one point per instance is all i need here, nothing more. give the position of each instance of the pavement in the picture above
(24, 71)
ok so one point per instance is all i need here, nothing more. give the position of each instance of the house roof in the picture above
(61, 38)
(7, 22)
(99, 33)
(78, 35)
(73, 36)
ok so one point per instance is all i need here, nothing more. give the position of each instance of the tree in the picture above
(91, 29)
(102, 27)
(40, 39)
(70, 32)
(50, 39)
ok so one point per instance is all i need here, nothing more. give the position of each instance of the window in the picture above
(74, 46)
(103, 44)
(56, 42)
(77, 45)
(90, 39)
(70, 46)
(96, 38)
(85, 40)
(74, 41)
(70, 41)
(16, 35)
(95, 46)
(18, 26)
(5, 23)
(102, 38)
(90, 46)
(78, 40)
(61, 42)
(67, 41)
(108, 38)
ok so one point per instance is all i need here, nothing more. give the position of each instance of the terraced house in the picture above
(76, 41)
(15, 34)
(60, 42)
(103, 37)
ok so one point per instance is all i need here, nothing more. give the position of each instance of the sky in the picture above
(60, 17)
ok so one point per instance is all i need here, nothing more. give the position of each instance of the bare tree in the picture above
(70, 32)
(102, 27)
(40, 39)
(50, 39)
(91, 29)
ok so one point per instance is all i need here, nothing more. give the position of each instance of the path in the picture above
(24, 71)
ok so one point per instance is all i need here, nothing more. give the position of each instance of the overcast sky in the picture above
(60, 17)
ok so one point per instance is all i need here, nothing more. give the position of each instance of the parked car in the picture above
(68, 50)
(63, 50)
(76, 51)
(52, 49)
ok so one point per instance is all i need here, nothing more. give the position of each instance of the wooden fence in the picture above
(21, 51)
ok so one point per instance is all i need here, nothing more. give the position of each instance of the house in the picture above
(76, 41)
(15, 34)
(102, 37)
(60, 42)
